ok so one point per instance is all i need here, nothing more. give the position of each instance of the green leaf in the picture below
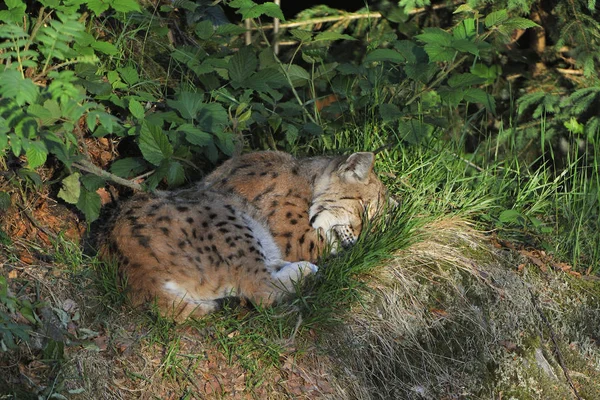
(435, 36)
(136, 109)
(465, 46)
(439, 53)
(92, 182)
(127, 167)
(70, 189)
(105, 47)
(36, 153)
(129, 75)
(517, 23)
(212, 117)
(187, 104)
(496, 18)
(154, 144)
(389, 112)
(385, 55)
(301, 34)
(225, 143)
(12, 85)
(97, 6)
(511, 216)
(477, 95)
(242, 64)
(175, 174)
(298, 75)
(205, 29)
(125, 5)
(462, 80)
(194, 135)
(327, 36)
(89, 203)
(269, 9)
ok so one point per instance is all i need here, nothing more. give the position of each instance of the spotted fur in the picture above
(249, 230)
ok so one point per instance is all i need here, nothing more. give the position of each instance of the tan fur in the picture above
(229, 235)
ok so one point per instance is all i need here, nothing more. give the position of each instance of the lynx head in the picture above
(346, 193)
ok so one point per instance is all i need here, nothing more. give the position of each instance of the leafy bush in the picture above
(61, 83)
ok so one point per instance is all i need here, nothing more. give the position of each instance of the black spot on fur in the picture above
(163, 218)
(189, 220)
(212, 216)
(210, 236)
(144, 241)
(205, 224)
(293, 221)
(223, 230)
(182, 208)
(164, 230)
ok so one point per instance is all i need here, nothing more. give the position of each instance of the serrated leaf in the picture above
(439, 53)
(327, 36)
(105, 48)
(129, 75)
(92, 182)
(496, 18)
(175, 174)
(477, 95)
(385, 55)
(187, 104)
(205, 29)
(389, 112)
(298, 75)
(269, 9)
(242, 64)
(97, 6)
(301, 34)
(70, 188)
(435, 36)
(136, 109)
(12, 85)
(89, 203)
(517, 23)
(511, 216)
(36, 153)
(465, 46)
(225, 142)
(154, 144)
(230, 29)
(463, 80)
(195, 135)
(127, 167)
(212, 117)
(125, 5)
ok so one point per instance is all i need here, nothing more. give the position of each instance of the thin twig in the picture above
(87, 166)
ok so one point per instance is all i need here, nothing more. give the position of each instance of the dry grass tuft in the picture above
(448, 317)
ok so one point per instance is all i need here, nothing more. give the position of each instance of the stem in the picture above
(87, 166)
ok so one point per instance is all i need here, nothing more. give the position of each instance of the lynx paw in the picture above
(295, 271)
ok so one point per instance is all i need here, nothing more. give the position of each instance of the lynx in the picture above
(249, 230)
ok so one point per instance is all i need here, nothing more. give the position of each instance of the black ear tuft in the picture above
(357, 167)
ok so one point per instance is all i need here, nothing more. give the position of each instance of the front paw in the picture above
(296, 270)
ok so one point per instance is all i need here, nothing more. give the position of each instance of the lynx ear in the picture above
(357, 167)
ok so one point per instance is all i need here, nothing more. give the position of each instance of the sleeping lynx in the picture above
(248, 230)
